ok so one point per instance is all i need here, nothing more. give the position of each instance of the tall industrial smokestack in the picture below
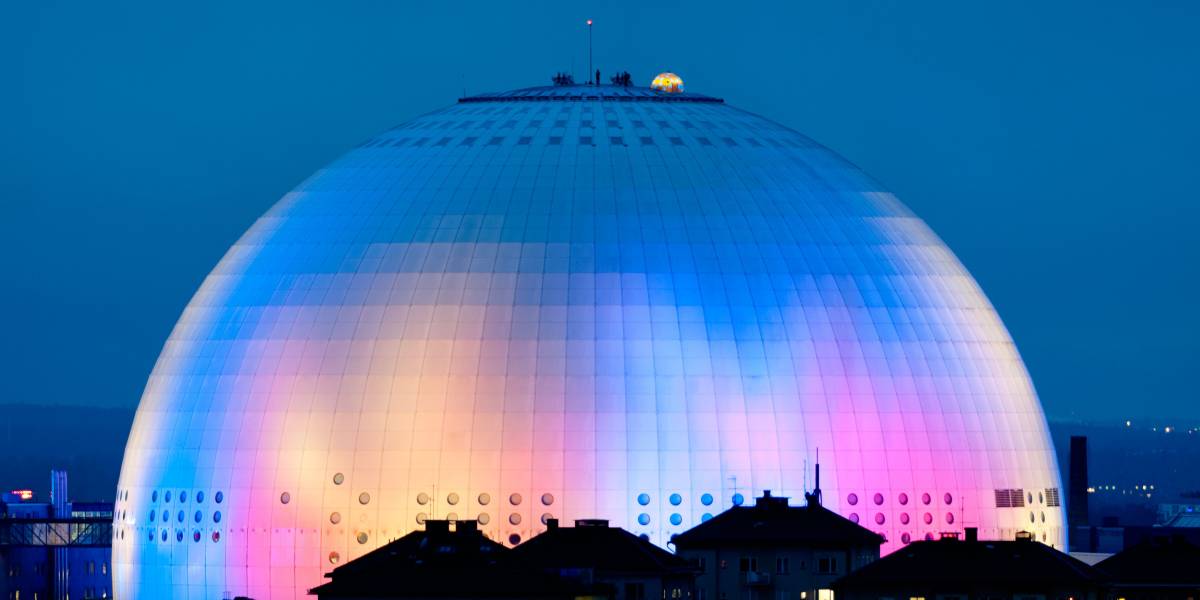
(1077, 499)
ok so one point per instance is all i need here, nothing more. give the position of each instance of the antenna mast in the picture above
(589, 71)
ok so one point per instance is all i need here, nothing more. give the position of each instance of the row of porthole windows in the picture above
(902, 498)
(484, 499)
(675, 518)
(880, 519)
(196, 535)
(198, 516)
(218, 497)
(676, 499)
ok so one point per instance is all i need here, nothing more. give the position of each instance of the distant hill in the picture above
(86, 441)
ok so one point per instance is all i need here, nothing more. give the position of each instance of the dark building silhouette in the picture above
(969, 569)
(773, 550)
(1162, 568)
(455, 560)
(445, 562)
(625, 566)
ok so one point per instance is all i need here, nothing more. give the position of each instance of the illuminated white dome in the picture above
(571, 302)
(667, 82)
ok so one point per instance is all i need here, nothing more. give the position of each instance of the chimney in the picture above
(437, 526)
(1077, 494)
(972, 534)
(58, 493)
(466, 527)
(551, 524)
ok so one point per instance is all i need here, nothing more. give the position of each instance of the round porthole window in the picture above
(179, 517)
(904, 537)
(948, 498)
(547, 499)
(364, 498)
(879, 518)
(926, 498)
(335, 518)
(1029, 497)
(1041, 499)
(178, 535)
(183, 496)
(704, 518)
(334, 558)
(644, 519)
(422, 498)
(452, 499)
(643, 499)
(1032, 518)
(199, 496)
(738, 499)
(152, 514)
(904, 518)
(485, 499)
(483, 518)
(676, 499)
(452, 516)
(164, 535)
(216, 536)
(950, 518)
(853, 517)
(167, 496)
(166, 516)
(676, 518)
(514, 499)
(852, 499)
(878, 499)
(514, 518)
(199, 516)
(928, 518)
(514, 539)
(196, 535)
(285, 498)
(546, 518)
(338, 478)
(362, 537)
(903, 498)
(421, 518)
(706, 499)
(219, 497)
(154, 496)
(217, 517)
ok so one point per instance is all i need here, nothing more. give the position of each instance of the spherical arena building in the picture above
(572, 302)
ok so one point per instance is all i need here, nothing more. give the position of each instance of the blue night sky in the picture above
(1054, 146)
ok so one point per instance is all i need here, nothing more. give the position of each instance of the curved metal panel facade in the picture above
(524, 307)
